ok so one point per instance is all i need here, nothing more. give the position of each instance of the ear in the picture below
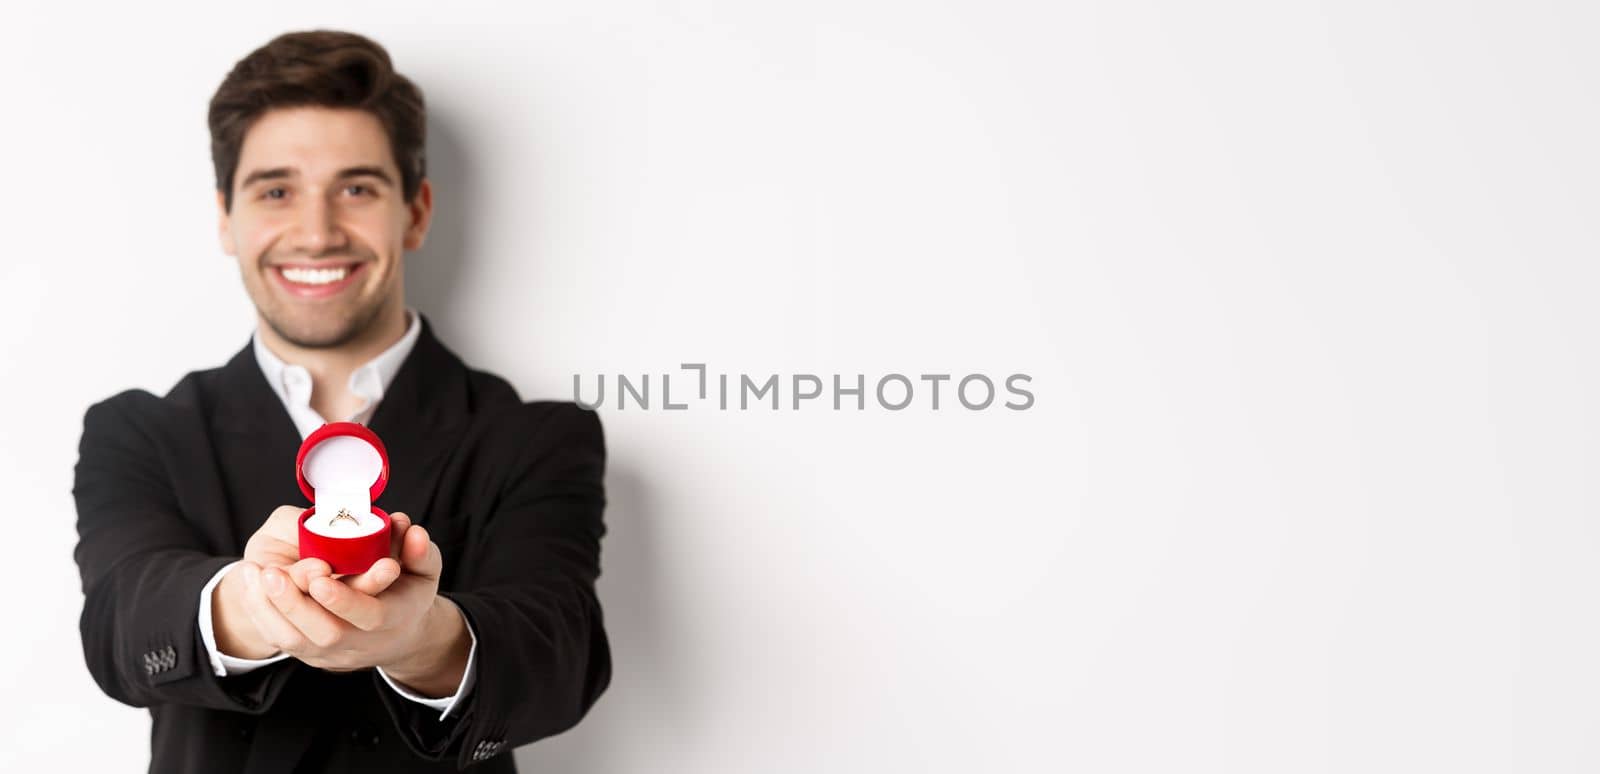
(224, 236)
(420, 209)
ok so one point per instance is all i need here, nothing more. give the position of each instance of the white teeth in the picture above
(314, 276)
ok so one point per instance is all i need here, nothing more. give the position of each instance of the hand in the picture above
(402, 625)
(277, 544)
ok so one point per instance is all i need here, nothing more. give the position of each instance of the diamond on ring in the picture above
(342, 514)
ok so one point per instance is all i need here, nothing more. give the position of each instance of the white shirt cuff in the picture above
(447, 704)
(223, 664)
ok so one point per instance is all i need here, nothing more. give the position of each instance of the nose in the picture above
(316, 229)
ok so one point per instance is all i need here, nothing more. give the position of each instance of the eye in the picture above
(358, 189)
(275, 193)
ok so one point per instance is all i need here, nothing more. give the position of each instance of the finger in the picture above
(398, 524)
(305, 570)
(270, 623)
(284, 522)
(285, 513)
(275, 551)
(378, 577)
(419, 556)
(321, 627)
(365, 612)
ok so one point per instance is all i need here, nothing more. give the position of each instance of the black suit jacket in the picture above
(169, 489)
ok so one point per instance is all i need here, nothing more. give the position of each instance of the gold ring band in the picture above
(343, 514)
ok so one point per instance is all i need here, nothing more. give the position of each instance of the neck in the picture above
(330, 367)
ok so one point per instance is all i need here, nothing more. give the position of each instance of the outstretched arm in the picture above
(143, 567)
(543, 658)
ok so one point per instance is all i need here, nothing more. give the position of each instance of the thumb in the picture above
(418, 554)
(399, 523)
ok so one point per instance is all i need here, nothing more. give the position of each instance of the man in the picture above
(482, 631)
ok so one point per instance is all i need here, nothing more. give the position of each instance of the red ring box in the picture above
(343, 465)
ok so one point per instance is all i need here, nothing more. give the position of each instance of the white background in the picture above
(1305, 291)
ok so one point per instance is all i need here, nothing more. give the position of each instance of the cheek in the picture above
(378, 233)
(253, 237)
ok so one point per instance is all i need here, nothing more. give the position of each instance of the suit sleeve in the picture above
(143, 567)
(543, 657)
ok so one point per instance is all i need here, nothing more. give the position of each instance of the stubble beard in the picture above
(349, 329)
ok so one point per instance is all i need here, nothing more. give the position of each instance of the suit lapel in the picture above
(255, 444)
(247, 404)
(421, 413)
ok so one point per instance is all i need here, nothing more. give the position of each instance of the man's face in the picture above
(319, 223)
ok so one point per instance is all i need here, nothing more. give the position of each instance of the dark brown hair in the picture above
(322, 68)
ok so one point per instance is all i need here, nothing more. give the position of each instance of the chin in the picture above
(314, 334)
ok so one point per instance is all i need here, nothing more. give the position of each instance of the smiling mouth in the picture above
(316, 280)
(305, 276)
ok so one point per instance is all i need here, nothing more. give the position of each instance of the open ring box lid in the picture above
(342, 466)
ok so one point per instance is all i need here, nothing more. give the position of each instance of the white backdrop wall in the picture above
(1304, 290)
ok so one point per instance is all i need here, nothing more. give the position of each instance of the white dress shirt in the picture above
(292, 384)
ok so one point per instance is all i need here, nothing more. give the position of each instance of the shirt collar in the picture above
(292, 383)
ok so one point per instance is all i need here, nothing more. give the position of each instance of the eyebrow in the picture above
(275, 173)
(280, 173)
(376, 172)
